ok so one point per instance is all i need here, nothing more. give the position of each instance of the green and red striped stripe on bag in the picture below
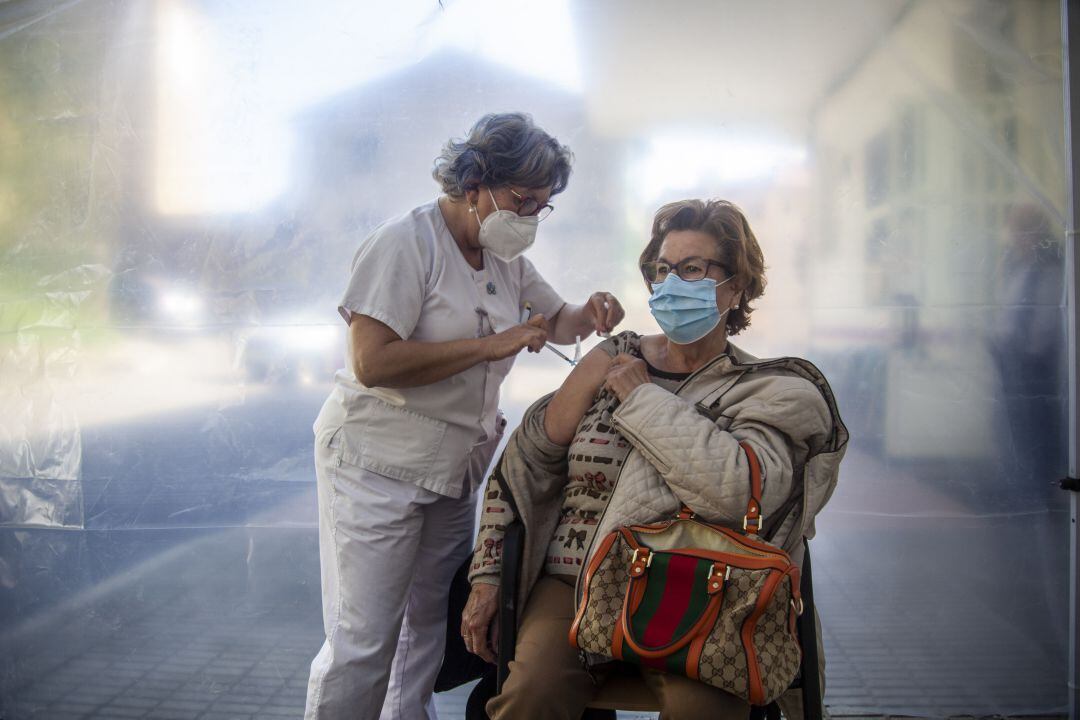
(673, 602)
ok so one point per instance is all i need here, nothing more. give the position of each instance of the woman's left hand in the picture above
(605, 312)
(625, 374)
(480, 621)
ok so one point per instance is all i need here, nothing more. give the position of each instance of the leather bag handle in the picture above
(753, 519)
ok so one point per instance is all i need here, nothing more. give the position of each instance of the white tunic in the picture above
(410, 275)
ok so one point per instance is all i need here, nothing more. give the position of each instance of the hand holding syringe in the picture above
(526, 313)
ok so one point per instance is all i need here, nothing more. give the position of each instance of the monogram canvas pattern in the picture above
(606, 595)
(777, 649)
(723, 661)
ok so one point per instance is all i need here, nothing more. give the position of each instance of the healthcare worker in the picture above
(436, 314)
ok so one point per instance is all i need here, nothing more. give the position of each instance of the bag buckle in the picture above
(797, 606)
(714, 583)
(638, 565)
(757, 523)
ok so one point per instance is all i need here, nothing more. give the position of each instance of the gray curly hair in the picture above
(503, 149)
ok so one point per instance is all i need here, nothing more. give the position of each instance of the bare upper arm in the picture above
(575, 396)
(367, 336)
(560, 330)
(588, 375)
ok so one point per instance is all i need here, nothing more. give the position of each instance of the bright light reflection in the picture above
(308, 338)
(532, 39)
(142, 378)
(682, 162)
(231, 80)
(183, 307)
(216, 153)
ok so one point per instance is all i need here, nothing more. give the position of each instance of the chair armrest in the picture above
(808, 639)
(512, 551)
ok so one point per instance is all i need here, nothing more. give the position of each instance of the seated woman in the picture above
(642, 426)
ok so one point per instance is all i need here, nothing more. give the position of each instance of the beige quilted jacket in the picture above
(686, 451)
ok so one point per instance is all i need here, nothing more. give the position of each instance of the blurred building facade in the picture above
(915, 227)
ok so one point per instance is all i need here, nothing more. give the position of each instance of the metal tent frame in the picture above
(1070, 29)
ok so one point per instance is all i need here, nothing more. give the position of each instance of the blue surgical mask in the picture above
(685, 310)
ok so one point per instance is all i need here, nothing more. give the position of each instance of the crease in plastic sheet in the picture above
(40, 437)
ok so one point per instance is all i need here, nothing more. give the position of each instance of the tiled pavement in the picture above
(158, 646)
(922, 615)
(163, 653)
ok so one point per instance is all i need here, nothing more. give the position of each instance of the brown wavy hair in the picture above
(736, 248)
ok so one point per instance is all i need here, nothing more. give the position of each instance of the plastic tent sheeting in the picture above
(183, 185)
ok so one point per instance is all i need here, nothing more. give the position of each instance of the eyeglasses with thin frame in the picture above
(527, 206)
(689, 269)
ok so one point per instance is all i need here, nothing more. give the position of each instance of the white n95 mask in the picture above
(506, 234)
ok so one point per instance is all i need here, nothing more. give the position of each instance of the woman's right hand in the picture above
(476, 621)
(532, 334)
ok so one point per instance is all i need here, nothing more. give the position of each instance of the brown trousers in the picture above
(547, 680)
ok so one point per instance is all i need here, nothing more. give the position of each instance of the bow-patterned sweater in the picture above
(595, 456)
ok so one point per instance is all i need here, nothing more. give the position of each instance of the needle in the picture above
(553, 349)
(526, 313)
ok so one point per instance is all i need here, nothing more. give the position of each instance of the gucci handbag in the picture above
(696, 599)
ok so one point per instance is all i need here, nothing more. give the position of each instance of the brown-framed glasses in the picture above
(689, 269)
(527, 206)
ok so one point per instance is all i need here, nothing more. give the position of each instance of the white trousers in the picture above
(388, 551)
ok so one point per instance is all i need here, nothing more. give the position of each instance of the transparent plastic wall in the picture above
(184, 183)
